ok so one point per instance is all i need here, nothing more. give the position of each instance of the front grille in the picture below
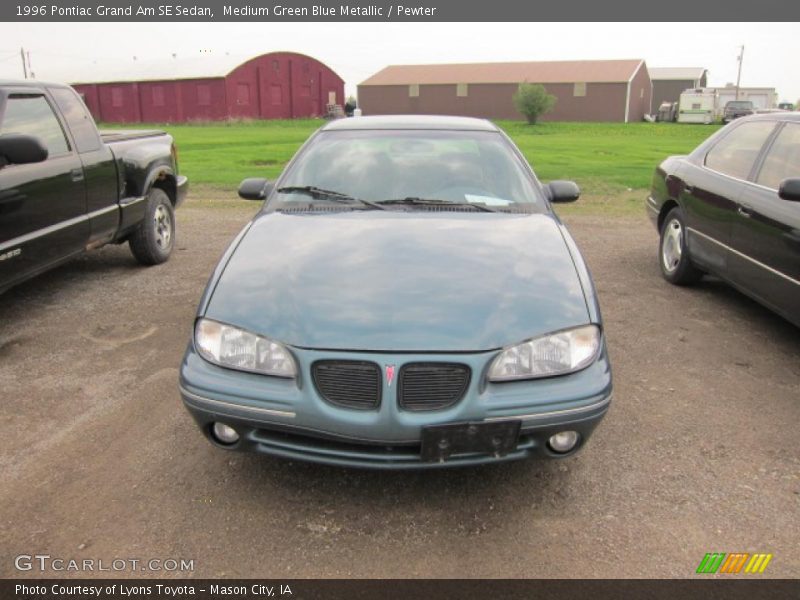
(432, 386)
(349, 383)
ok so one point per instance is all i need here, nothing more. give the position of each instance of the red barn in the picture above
(278, 85)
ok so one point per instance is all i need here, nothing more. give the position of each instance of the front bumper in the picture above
(288, 418)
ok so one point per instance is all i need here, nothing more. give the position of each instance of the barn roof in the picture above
(566, 71)
(676, 73)
(202, 66)
(168, 68)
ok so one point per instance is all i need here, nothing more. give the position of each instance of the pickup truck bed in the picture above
(66, 188)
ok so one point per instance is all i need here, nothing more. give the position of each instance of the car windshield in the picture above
(413, 168)
(740, 104)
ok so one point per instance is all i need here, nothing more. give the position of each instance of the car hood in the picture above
(400, 281)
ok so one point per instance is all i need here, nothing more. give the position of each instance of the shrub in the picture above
(532, 101)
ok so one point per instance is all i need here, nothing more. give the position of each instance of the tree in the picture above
(532, 100)
(350, 106)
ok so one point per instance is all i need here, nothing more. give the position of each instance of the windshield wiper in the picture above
(414, 201)
(322, 194)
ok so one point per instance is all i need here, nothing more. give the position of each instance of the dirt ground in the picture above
(698, 453)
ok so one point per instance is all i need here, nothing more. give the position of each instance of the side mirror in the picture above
(790, 189)
(20, 149)
(255, 188)
(563, 191)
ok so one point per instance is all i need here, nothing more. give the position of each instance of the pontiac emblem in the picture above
(390, 374)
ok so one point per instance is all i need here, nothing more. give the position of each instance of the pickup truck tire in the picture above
(152, 241)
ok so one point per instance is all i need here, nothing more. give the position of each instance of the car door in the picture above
(42, 205)
(713, 182)
(766, 233)
(99, 166)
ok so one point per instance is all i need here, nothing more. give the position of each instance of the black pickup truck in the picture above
(735, 109)
(66, 188)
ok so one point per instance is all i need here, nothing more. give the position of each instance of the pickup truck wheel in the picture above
(673, 254)
(152, 241)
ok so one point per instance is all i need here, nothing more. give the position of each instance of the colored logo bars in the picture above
(719, 562)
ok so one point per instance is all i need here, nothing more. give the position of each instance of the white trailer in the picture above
(699, 105)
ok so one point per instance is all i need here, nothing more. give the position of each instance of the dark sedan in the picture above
(406, 298)
(732, 208)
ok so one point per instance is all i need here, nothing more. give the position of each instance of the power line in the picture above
(62, 55)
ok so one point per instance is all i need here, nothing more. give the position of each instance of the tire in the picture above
(153, 240)
(673, 254)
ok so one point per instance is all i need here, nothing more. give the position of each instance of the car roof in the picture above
(411, 122)
(780, 115)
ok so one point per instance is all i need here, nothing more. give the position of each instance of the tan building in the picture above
(670, 82)
(586, 90)
(761, 97)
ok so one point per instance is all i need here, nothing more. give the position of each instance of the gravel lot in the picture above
(698, 454)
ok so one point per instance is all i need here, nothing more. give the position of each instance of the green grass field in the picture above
(612, 162)
(605, 157)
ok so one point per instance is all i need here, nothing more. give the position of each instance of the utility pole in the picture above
(739, 76)
(30, 68)
(24, 67)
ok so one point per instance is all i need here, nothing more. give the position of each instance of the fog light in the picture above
(563, 441)
(224, 434)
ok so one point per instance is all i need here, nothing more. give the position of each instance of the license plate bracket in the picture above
(496, 438)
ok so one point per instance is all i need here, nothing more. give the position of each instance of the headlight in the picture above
(238, 349)
(554, 354)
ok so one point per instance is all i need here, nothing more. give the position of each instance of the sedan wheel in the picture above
(671, 244)
(676, 265)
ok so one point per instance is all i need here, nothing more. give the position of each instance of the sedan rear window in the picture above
(377, 165)
(783, 158)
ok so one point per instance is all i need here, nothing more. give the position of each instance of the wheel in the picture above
(676, 265)
(152, 241)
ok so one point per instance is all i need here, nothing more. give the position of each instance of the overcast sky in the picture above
(64, 52)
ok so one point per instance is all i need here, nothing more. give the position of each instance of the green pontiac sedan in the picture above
(405, 298)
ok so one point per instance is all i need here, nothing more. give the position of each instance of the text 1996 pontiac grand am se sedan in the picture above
(405, 298)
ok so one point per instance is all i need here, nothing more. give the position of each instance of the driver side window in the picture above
(32, 115)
